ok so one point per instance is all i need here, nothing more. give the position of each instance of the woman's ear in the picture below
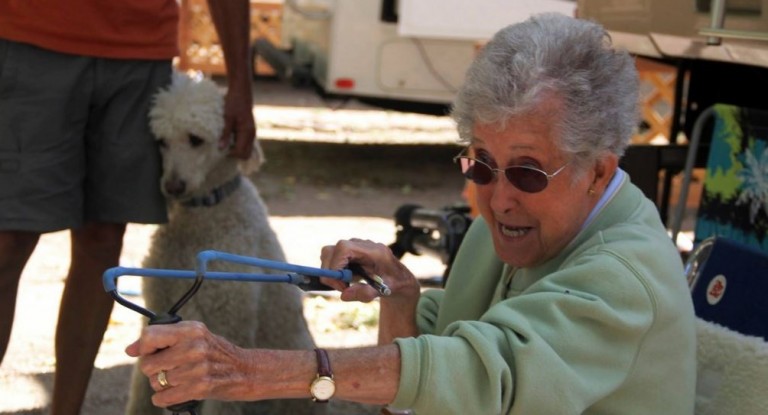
(605, 168)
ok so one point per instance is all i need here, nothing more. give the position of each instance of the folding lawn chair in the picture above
(729, 281)
(734, 200)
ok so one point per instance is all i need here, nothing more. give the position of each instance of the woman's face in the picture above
(529, 228)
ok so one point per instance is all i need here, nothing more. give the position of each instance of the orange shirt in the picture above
(128, 29)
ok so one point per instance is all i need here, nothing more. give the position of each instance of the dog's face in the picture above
(187, 119)
(187, 162)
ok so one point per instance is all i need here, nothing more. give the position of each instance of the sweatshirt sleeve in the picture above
(557, 347)
(428, 309)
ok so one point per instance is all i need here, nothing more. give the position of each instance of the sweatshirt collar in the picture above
(610, 191)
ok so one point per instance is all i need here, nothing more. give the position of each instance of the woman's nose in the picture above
(503, 194)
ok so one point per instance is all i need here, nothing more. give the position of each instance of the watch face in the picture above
(323, 388)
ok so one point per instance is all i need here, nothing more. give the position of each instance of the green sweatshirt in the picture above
(606, 327)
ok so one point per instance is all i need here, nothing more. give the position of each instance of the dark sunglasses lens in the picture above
(477, 172)
(527, 180)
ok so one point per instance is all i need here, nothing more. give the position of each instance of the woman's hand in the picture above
(397, 315)
(375, 259)
(197, 363)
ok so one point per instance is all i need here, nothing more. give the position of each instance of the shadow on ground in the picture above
(310, 179)
(115, 378)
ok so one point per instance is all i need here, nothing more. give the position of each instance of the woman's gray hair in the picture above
(553, 54)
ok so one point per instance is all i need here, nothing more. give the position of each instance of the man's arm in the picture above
(232, 21)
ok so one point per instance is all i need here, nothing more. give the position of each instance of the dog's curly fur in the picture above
(187, 119)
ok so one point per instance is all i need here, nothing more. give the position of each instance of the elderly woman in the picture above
(566, 297)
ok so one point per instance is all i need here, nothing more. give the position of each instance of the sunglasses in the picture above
(526, 178)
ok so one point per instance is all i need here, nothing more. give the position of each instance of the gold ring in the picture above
(162, 379)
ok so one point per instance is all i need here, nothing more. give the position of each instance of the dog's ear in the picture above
(187, 106)
(253, 163)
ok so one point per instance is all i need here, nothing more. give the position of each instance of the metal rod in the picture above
(717, 13)
(734, 34)
(110, 277)
(206, 256)
(293, 274)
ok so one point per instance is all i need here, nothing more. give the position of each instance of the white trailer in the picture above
(407, 51)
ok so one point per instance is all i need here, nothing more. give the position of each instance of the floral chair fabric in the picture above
(734, 201)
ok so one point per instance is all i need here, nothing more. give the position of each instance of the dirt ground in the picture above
(335, 170)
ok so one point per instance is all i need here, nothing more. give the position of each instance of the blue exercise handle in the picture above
(306, 278)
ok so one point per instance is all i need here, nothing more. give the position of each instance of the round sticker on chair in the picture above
(716, 289)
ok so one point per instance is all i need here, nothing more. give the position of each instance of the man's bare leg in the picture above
(84, 313)
(15, 249)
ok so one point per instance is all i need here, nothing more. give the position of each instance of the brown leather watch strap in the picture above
(323, 387)
(323, 363)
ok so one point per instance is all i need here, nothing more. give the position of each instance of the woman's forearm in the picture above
(200, 365)
(368, 375)
(397, 313)
(396, 319)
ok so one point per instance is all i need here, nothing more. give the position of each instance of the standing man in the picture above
(76, 82)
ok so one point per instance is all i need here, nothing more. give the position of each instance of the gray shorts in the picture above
(75, 143)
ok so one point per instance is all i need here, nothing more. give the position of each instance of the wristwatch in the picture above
(323, 387)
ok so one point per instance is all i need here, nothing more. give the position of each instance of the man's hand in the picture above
(232, 21)
(239, 126)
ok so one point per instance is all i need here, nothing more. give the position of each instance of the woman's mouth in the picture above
(513, 231)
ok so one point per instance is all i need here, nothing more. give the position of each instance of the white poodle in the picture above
(212, 205)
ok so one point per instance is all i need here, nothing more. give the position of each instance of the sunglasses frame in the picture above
(495, 171)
